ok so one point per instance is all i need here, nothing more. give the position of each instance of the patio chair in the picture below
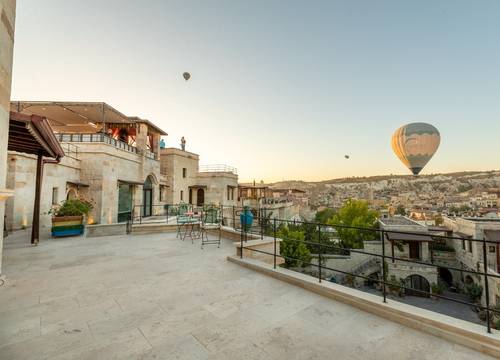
(210, 221)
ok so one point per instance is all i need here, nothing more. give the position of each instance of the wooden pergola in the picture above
(32, 134)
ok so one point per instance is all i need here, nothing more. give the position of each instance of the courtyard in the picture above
(157, 297)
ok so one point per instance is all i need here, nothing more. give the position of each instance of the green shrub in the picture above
(293, 248)
(73, 207)
(475, 291)
(437, 288)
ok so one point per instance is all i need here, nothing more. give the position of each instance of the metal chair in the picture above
(210, 221)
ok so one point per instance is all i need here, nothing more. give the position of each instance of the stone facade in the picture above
(98, 168)
(7, 23)
(469, 254)
(185, 183)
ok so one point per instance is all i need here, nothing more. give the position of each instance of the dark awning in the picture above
(492, 235)
(32, 134)
(409, 237)
(77, 183)
(197, 187)
(462, 235)
(131, 182)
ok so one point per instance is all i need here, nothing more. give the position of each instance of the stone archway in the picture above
(446, 276)
(71, 194)
(417, 285)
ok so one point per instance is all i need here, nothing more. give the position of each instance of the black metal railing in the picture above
(96, 138)
(326, 247)
(378, 244)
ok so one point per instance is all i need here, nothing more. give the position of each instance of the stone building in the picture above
(7, 14)
(191, 183)
(469, 253)
(116, 162)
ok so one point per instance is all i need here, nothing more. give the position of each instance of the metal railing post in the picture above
(384, 275)
(234, 219)
(241, 242)
(274, 235)
(319, 252)
(486, 287)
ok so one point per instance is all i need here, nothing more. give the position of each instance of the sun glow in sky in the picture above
(279, 89)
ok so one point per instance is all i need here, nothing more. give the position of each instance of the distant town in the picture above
(422, 198)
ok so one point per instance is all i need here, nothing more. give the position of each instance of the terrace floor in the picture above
(157, 297)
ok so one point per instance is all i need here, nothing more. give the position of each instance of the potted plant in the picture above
(67, 219)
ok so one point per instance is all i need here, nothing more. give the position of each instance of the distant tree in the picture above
(355, 213)
(400, 210)
(293, 248)
(464, 187)
(324, 215)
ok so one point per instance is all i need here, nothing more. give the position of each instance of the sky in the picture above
(279, 89)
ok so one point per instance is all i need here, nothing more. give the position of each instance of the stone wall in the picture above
(7, 24)
(173, 161)
(21, 177)
(99, 165)
(217, 183)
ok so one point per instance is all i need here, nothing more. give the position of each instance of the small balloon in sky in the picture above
(347, 156)
(186, 76)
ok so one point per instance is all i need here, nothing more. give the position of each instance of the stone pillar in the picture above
(156, 145)
(7, 14)
(141, 136)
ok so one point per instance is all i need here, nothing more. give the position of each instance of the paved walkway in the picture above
(156, 297)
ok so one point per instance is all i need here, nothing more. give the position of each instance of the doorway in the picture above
(147, 197)
(200, 197)
(414, 250)
(124, 202)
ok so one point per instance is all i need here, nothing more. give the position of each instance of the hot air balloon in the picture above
(186, 76)
(415, 144)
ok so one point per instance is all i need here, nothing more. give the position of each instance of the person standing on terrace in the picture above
(183, 144)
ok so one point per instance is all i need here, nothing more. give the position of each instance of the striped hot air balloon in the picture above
(415, 144)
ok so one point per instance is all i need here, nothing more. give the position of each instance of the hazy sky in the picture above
(279, 89)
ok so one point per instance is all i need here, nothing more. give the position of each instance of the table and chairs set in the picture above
(198, 223)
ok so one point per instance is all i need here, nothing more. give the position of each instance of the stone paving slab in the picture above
(156, 297)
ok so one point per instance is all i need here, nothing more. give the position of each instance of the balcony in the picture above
(96, 138)
(218, 168)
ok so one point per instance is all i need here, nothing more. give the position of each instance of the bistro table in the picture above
(191, 221)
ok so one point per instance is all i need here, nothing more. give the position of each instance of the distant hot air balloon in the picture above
(415, 144)
(186, 76)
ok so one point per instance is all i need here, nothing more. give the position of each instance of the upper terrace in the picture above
(96, 122)
(155, 296)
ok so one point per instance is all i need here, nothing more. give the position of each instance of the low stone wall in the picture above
(106, 229)
(458, 331)
(255, 249)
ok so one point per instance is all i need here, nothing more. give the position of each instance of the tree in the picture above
(323, 216)
(293, 248)
(355, 213)
(400, 210)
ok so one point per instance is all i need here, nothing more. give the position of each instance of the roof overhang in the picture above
(77, 184)
(409, 237)
(68, 116)
(131, 182)
(32, 134)
(492, 235)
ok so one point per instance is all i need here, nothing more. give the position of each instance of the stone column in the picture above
(7, 14)
(141, 136)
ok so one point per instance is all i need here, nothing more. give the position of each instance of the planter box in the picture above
(67, 226)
